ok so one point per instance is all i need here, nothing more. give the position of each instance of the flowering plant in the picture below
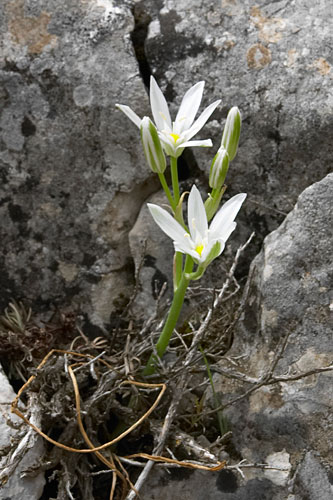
(200, 242)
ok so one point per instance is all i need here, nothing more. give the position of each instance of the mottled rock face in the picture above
(152, 252)
(290, 293)
(73, 177)
(272, 59)
(210, 485)
(17, 486)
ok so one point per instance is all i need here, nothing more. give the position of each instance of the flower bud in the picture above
(219, 169)
(152, 146)
(231, 132)
(213, 202)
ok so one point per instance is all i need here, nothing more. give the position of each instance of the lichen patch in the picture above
(293, 55)
(322, 66)
(258, 56)
(30, 32)
(68, 271)
(270, 29)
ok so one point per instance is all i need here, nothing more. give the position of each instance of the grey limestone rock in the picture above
(312, 480)
(290, 294)
(152, 252)
(73, 176)
(287, 424)
(272, 59)
(17, 486)
(208, 485)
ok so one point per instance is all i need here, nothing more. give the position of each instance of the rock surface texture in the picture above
(73, 177)
(288, 424)
(272, 60)
(74, 182)
(12, 430)
(149, 247)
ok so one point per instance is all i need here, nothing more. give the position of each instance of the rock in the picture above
(73, 173)
(152, 251)
(290, 293)
(312, 480)
(16, 487)
(271, 59)
(209, 485)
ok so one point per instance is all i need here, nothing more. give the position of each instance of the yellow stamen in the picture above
(199, 249)
(175, 137)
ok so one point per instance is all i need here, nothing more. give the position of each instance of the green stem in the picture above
(167, 191)
(174, 177)
(172, 319)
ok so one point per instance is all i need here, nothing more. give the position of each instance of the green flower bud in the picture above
(219, 169)
(231, 132)
(152, 146)
(213, 202)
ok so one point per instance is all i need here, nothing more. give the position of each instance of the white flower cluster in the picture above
(198, 240)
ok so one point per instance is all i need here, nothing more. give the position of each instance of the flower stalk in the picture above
(174, 178)
(203, 236)
(171, 321)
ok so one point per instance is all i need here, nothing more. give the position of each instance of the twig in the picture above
(290, 378)
(184, 463)
(15, 410)
(92, 361)
(268, 378)
(268, 207)
(192, 355)
(183, 381)
(177, 394)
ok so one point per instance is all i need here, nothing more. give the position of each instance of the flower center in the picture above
(199, 249)
(175, 137)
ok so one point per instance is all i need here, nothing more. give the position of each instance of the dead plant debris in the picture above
(102, 423)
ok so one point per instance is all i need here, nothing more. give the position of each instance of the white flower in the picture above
(175, 136)
(202, 243)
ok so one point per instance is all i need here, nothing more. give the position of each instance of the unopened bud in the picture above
(219, 169)
(152, 146)
(231, 132)
(213, 202)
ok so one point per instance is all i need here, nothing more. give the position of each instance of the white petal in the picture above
(225, 216)
(185, 248)
(167, 223)
(197, 218)
(200, 122)
(130, 114)
(229, 230)
(213, 236)
(206, 143)
(189, 106)
(159, 106)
